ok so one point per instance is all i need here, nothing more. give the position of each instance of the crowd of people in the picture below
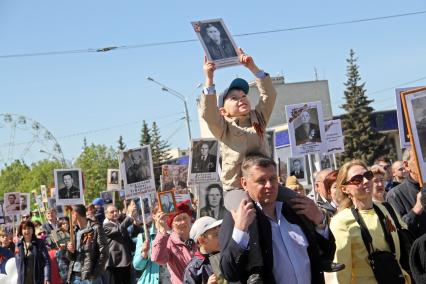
(362, 224)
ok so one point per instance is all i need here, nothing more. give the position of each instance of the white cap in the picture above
(202, 225)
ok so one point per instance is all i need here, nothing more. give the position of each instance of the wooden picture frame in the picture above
(167, 201)
(406, 97)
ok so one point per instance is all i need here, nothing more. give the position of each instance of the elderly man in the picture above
(118, 263)
(290, 235)
(406, 197)
(323, 199)
(51, 221)
(398, 173)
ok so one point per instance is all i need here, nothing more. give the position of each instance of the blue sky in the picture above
(74, 93)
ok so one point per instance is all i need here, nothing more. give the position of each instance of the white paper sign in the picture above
(137, 172)
(306, 128)
(334, 136)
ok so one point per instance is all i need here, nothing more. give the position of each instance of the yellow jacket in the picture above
(237, 136)
(350, 248)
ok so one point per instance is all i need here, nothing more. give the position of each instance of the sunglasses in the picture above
(358, 179)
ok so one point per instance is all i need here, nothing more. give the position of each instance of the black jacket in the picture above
(41, 270)
(233, 259)
(118, 243)
(403, 198)
(92, 254)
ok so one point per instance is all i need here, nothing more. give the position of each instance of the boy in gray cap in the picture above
(205, 232)
(240, 130)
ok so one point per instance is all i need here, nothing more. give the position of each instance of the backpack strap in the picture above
(392, 214)
(366, 237)
(382, 219)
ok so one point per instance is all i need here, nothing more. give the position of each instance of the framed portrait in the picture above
(146, 208)
(43, 190)
(59, 208)
(414, 103)
(12, 203)
(2, 221)
(137, 172)
(174, 177)
(334, 136)
(38, 200)
(210, 200)
(270, 135)
(306, 128)
(217, 42)
(167, 202)
(69, 184)
(25, 203)
(113, 179)
(203, 161)
(296, 166)
(404, 137)
(107, 197)
(326, 161)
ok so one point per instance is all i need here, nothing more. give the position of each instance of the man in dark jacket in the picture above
(405, 198)
(89, 254)
(290, 242)
(119, 258)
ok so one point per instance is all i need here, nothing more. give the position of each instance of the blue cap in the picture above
(239, 84)
(98, 201)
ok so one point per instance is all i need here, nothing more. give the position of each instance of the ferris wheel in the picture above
(22, 138)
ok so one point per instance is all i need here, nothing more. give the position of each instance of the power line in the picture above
(123, 47)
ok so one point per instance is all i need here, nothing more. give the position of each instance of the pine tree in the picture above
(121, 145)
(159, 147)
(145, 135)
(361, 140)
(84, 143)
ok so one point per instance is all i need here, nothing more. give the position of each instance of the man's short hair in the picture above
(382, 159)
(296, 160)
(253, 159)
(66, 174)
(80, 209)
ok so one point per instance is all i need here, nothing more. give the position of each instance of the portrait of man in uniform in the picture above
(203, 160)
(69, 190)
(308, 130)
(137, 166)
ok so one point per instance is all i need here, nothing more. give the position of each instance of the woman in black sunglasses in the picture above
(355, 190)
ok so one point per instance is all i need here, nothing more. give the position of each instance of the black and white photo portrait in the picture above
(25, 203)
(270, 135)
(296, 167)
(325, 161)
(419, 108)
(137, 165)
(12, 203)
(211, 201)
(167, 201)
(113, 179)
(204, 157)
(69, 183)
(217, 42)
(107, 197)
(2, 221)
(308, 129)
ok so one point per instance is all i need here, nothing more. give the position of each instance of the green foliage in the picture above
(159, 147)
(41, 173)
(12, 176)
(94, 162)
(145, 135)
(361, 140)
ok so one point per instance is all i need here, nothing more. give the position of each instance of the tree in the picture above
(361, 140)
(12, 176)
(159, 148)
(94, 162)
(121, 145)
(41, 173)
(145, 135)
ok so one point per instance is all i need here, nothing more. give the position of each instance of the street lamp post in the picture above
(179, 96)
